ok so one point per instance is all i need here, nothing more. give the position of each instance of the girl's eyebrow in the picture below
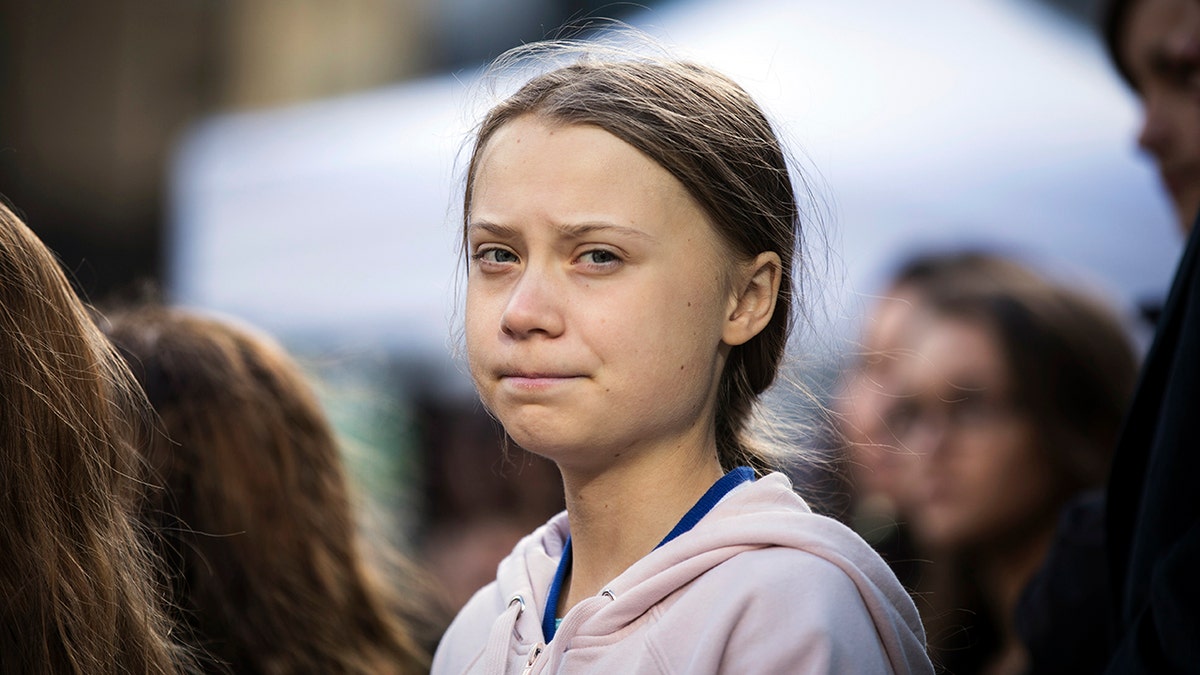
(567, 230)
(490, 227)
(580, 230)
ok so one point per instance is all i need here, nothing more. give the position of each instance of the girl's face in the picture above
(596, 297)
(984, 477)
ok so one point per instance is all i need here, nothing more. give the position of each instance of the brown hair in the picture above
(257, 525)
(76, 587)
(714, 139)
(1113, 18)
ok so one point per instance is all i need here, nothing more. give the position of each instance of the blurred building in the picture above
(96, 92)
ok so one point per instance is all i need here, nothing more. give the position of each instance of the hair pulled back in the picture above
(714, 139)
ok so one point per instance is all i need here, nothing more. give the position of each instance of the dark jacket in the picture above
(1064, 614)
(1153, 510)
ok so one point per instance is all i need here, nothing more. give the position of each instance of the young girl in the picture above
(257, 532)
(76, 587)
(630, 227)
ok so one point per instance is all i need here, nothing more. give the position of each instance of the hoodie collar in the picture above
(715, 493)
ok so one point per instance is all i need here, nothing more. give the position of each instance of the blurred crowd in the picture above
(174, 496)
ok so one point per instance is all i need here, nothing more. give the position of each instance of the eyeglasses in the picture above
(961, 411)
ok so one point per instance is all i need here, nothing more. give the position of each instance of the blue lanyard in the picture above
(718, 490)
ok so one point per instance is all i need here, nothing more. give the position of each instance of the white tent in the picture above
(921, 122)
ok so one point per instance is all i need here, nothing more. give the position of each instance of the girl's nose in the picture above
(534, 306)
(927, 436)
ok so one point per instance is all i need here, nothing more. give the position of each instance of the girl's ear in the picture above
(754, 301)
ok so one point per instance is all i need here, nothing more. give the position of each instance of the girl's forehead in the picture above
(580, 162)
(534, 132)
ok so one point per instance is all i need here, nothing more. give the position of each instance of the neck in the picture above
(1005, 574)
(621, 514)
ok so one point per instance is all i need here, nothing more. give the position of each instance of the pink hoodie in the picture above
(759, 585)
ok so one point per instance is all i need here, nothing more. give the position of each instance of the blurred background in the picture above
(293, 163)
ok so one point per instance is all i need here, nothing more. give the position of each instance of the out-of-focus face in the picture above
(1161, 50)
(597, 295)
(983, 478)
(878, 464)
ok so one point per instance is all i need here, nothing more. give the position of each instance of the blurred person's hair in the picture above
(924, 273)
(1113, 16)
(258, 536)
(959, 269)
(77, 589)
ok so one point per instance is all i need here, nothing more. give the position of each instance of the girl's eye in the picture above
(496, 256)
(599, 256)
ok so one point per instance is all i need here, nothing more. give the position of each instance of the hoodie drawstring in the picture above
(501, 635)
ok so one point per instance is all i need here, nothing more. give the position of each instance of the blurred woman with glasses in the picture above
(1007, 395)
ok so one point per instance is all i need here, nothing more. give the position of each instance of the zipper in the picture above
(533, 657)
